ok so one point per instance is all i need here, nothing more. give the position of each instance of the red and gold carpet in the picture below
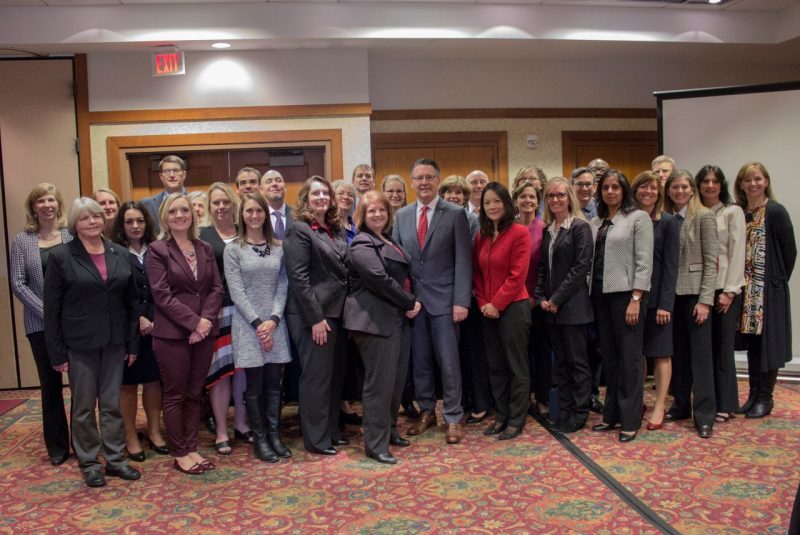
(741, 481)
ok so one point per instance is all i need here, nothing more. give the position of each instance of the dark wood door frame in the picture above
(571, 140)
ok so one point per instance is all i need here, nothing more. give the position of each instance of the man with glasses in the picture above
(172, 172)
(583, 182)
(476, 181)
(598, 167)
(435, 234)
(663, 166)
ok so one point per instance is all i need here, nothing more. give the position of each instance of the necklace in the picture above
(260, 252)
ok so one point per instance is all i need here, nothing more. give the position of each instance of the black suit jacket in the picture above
(566, 284)
(666, 251)
(144, 300)
(317, 268)
(377, 301)
(81, 312)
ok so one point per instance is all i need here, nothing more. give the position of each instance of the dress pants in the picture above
(385, 366)
(692, 364)
(474, 373)
(621, 349)
(434, 340)
(54, 419)
(571, 372)
(507, 356)
(183, 367)
(95, 377)
(540, 357)
(320, 382)
(723, 338)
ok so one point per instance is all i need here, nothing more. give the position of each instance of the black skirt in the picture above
(145, 369)
(657, 338)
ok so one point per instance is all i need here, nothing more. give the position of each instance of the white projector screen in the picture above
(733, 125)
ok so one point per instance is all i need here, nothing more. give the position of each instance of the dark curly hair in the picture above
(302, 212)
(118, 230)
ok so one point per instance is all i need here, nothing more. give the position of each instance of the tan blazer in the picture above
(697, 267)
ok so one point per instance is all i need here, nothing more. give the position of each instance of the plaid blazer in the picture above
(697, 266)
(27, 277)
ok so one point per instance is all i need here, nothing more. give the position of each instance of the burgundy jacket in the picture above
(180, 300)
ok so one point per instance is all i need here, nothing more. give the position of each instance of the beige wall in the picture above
(547, 156)
(37, 132)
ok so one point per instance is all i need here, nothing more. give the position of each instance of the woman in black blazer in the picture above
(658, 323)
(90, 326)
(316, 262)
(133, 229)
(562, 292)
(376, 313)
(44, 231)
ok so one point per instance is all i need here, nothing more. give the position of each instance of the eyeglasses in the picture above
(584, 184)
(560, 195)
(424, 178)
(171, 171)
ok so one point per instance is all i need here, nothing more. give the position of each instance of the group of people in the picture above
(550, 278)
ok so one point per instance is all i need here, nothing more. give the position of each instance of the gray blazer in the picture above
(258, 288)
(442, 271)
(377, 301)
(153, 205)
(474, 225)
(697, 267)
(628, 255)
(27, 277)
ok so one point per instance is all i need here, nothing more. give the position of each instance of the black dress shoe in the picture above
(704, 431)
(211, 424)
(139, 456)
(160, 450)
(595, 405)
(604, 427)
(760, 409)
(350, 418)
(397, 440)
(340, 442)
(326, 451)
(94, 478)
(58, 460)
(495, 429)
(384, 458)
(124, 472)
(627, 437)
(247, 436)
(674, 416)
(509, 433)
(474, 419)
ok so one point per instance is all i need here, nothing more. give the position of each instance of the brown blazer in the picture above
(180, 300)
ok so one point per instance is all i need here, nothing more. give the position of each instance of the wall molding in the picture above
(81, 80)
(514, 113)
(228, 114)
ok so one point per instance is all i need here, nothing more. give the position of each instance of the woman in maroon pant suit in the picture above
(187, 292)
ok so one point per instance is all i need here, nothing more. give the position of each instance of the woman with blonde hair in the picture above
(658, 323)
(770, 255)
(45, 229)
(110, 202)
(395, 189)
(223, 377)
(199, 201)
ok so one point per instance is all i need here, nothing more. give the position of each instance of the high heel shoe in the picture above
(160, 450)
(655, 427)
(139, 456)
(627, 437)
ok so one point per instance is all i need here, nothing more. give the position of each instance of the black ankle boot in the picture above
(751, 399)
(764, 403)
(261, 448)
(273, 420)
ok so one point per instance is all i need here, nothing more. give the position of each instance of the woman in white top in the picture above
(730, 279)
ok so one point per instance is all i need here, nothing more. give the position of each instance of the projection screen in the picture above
(733, 125)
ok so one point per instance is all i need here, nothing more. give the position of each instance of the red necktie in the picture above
(422, 226)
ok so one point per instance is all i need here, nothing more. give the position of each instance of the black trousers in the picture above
(621, 349)
(474, 372)
(320, 382)
(540, 357)
(723, 337)
(506, 340)
(762, 383)
(571, 372)
(54, 419)
(385, 365)
(692, 364)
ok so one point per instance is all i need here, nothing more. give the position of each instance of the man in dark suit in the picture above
(172, 172)
(436, 235)
(274, 189)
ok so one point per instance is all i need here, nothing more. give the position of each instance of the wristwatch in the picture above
(636, 298)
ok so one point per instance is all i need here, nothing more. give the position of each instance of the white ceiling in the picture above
(739, 31)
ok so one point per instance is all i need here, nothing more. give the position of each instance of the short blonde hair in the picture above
(165, 232)
(228, 191)
(80, 206)
(574, 206)
(110, 192)
(40, 190)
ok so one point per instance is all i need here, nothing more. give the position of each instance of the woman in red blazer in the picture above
(187, 292)
(501, 256)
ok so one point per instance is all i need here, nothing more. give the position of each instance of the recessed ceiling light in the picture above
(714, 1)
(220, 45)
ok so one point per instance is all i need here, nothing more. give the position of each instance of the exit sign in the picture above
(168, 63)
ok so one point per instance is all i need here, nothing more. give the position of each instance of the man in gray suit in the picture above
(435, 234)
(172, 172)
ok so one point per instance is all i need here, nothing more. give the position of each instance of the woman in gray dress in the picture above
(258, 285)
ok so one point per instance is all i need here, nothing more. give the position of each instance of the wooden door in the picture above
(629, 151)
(457, 153)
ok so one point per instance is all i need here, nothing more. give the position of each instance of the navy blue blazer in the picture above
(666, 252)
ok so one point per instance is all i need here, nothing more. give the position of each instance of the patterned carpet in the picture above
(741, 481)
